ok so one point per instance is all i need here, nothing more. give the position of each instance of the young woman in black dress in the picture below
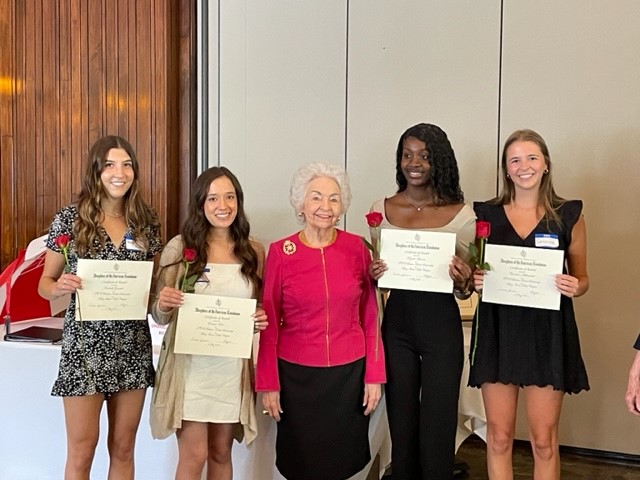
(522, 348)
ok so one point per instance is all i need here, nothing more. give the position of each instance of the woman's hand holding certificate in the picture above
(417, 260)
(214, 325)
(113, 290)
(522, 276)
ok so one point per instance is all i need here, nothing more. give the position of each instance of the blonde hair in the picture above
(547, 198)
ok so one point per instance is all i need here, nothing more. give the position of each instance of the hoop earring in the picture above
(546, 170)
(508, 176)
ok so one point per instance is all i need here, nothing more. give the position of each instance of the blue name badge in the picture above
(131, 244)
(547, 240)
(203, 278)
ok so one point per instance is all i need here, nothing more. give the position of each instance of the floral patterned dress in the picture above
(102, 356)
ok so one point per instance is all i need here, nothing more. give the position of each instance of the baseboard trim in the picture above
(617, 457)
(602, 454)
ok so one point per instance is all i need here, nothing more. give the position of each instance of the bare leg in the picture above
(500, 402)
(192, 450)
(543, 412)
(82, 420)
(124, 410)
(219, 459)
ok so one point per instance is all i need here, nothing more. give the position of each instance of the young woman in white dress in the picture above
(207, 400)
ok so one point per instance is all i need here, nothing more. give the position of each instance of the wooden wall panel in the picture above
(72, 71)
(8, 86)
(184, 54)
(66, 106)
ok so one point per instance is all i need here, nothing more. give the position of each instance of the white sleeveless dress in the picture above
(213, 385)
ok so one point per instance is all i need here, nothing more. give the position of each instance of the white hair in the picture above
(304, 175)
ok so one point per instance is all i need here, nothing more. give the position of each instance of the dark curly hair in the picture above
(444, 177)
(196, 227)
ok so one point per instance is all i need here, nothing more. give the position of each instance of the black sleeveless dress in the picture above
(522, 345)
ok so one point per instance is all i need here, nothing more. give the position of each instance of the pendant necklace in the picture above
(114, 215)
(417, 207)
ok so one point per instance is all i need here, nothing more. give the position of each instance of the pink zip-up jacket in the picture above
(321, 308)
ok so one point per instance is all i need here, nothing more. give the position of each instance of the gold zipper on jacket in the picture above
(326, 292)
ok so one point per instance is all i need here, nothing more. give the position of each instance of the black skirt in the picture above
(323, 433)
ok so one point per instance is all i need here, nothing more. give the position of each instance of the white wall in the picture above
(571, 71)
(304, 80)
(282, 99)
(415, 61)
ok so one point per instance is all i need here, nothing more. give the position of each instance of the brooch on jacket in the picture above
(289, 247)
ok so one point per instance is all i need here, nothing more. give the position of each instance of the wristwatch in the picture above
(465, 293)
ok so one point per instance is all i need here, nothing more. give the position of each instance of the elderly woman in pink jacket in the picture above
(321, 361)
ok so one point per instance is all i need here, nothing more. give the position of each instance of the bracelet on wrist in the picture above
(465, 292)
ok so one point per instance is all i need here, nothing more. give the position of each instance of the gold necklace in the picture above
(114, 215)
(417, 207)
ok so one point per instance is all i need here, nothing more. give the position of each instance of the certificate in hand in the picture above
(212, 325)
(113, 290)
(417, 260)
(522, 276)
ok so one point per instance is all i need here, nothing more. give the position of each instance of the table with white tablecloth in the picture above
(471, 416)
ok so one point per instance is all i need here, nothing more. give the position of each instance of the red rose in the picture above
(62, 241)
(483, 229)
(189, 255)
(374, 219)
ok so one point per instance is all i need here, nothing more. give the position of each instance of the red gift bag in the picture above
(19, 286)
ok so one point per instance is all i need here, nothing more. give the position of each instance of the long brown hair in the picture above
(196, 227)
(138, 215)
(547, 197)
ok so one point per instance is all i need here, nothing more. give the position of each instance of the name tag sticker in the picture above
(547, 240)
(131, 244)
